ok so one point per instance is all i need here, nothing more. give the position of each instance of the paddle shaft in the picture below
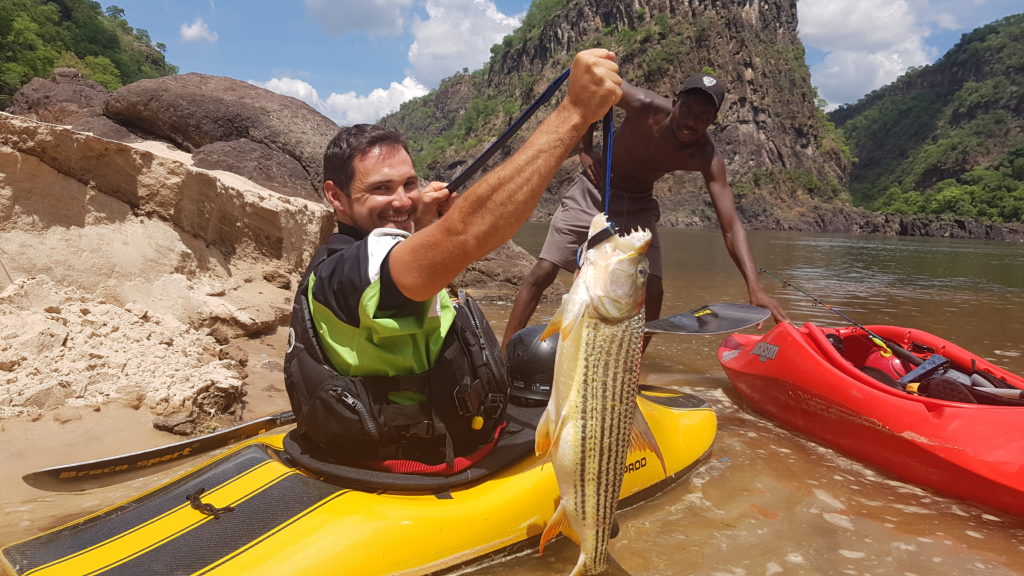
(107, 471)
(460, 180)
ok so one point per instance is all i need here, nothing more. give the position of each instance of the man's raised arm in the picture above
(495, 207)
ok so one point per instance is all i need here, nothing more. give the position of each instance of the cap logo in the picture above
(709, 81)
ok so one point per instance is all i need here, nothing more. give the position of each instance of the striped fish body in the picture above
(589, 454)
(591, 419)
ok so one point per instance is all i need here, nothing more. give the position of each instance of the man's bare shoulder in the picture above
(637, 99)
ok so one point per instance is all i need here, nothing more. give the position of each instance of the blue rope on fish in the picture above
(608, 126)
(610, 230)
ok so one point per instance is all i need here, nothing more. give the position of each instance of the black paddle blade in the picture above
(108, 471)
(709, 319)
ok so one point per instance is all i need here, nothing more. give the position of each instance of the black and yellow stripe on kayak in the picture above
(287, 521)
(165, 529)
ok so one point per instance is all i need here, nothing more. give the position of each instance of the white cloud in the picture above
(861, 25)
(349, 108)
(456, 34)
(870, 43)
(846, 75)
(378, 17)
(197, 31)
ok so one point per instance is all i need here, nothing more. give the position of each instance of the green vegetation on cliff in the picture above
(761, 59)
(946, 139)
(38, 35)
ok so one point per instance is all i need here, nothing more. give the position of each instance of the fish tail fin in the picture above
(580, 568)
(641, 438)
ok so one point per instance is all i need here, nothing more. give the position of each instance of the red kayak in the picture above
(918, 406)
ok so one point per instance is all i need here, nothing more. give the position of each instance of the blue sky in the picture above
(356, 60)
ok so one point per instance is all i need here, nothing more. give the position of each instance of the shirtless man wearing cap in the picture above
(656, 137)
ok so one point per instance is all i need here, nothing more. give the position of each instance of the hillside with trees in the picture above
(784, 158)
(946, 139)
(37, 36)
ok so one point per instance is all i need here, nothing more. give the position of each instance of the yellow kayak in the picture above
(253, 510)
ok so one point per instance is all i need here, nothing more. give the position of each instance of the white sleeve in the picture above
(378, 244)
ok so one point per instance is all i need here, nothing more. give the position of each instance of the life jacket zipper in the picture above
(356, 406)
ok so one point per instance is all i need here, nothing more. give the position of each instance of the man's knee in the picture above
(542, 274)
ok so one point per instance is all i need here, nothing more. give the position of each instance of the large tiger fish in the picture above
(592, 418)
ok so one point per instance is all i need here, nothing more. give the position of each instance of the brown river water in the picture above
(766, 501)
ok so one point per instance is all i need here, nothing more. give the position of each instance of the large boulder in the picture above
(195, 110)
(498, 276)
(65, 98)
(259, 163)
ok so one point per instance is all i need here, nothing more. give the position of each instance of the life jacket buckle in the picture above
(493, 405)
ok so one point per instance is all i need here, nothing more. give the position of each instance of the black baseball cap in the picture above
(706, 83)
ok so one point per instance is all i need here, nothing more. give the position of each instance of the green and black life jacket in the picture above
(351, 419)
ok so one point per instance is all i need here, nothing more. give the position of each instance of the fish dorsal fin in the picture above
(559, 524)
(642, 439)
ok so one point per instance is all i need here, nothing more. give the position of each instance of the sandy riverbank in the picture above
(67, 435)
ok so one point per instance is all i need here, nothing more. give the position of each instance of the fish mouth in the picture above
(634, 243)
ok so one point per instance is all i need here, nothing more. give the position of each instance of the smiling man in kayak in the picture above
(383, 370)
(657, 136)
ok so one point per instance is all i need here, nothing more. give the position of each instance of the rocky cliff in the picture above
(781, 157)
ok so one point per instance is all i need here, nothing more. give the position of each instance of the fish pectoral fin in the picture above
(559, 524)
(641, 438)
(555, 324)
(569, 313)
(543, 436)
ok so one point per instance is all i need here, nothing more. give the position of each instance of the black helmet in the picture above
(531, 365)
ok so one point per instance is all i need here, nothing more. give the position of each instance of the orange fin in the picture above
(555, 325)
(641, 438)
(542, 438)
(558, 524)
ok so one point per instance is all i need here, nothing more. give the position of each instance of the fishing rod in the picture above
(460, 180)
(878, 340)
